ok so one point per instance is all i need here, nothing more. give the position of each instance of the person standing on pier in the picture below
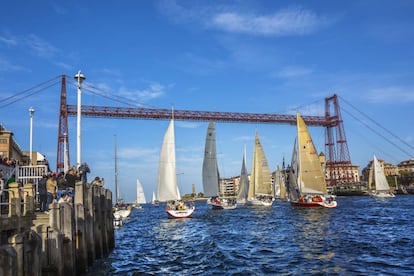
(43, 194)
(71, 178)
(84, 170)
(51, 186)
(61, 185)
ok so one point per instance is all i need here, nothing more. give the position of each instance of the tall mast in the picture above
(116, 171)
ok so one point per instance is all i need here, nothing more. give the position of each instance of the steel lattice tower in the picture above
(63, 133)
(337, 153)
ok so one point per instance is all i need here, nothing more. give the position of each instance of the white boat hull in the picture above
(123, 213)
(117, 220)
(181, 213)
(260, 202)
(382, 194)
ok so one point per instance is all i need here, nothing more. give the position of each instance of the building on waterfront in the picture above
(228, 187)
(339, 173)
(11, 152)
(9, 149)
(406, 165)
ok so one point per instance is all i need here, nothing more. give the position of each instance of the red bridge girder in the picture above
(192, 115)
(335, 142)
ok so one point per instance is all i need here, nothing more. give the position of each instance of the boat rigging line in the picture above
(375, 131)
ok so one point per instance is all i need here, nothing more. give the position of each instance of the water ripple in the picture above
(361, 236)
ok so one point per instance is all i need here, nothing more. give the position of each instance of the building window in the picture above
(3, 141)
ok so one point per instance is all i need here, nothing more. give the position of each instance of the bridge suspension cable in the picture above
(29, 92)
(377, 132)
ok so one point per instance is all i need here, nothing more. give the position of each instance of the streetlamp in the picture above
(31, 112)
(79, 78)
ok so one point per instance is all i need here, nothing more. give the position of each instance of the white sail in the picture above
(381, 183)
(167, 177)
(210, 168)
(140, 193)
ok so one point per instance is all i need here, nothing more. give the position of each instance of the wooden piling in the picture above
(63, 241)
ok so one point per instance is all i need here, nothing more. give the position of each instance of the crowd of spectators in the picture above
(52, 187)
(9, 162)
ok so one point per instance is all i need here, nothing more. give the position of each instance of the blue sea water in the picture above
(363, 236)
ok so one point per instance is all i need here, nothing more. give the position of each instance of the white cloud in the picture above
(244, 138)
(293, 71)
(184, 124)
(392, 94)
(132, 96)
(8, 41)
(6, 66)
(40, 47)
(229, 18)
(294, 21)
(137, 152)
(65, 66)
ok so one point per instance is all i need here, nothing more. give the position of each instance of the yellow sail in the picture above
(260, 176)
(311, 176)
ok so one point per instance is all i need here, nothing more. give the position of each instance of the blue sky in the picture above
(241, 56)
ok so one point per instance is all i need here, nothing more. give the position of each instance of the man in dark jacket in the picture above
(83, 171)
(41, 188)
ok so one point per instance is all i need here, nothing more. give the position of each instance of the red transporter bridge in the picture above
(337, 154)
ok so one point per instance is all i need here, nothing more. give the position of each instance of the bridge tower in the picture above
(338, 161)
(63, 132)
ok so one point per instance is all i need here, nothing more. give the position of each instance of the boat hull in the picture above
(332, 204)
(223, 203)
(259, 202)
(382, 194)
(117, 220)
(223, 206)
(184, 213)
(123, 213)
(315, 201)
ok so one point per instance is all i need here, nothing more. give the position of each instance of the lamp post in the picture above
(31, 112)
(79, 78)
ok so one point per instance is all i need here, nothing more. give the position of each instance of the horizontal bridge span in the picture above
(191, 115)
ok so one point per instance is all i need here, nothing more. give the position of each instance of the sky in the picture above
(277, 57)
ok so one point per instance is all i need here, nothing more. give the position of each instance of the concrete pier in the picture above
(64, 241)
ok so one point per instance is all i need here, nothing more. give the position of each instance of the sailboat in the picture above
(211, 176)
(382, 189)
(154, 200)
(121, 209)
(140, 196)
(244, 182)
(279, 184)
(307, 185)
(167, 178)
(260, 188)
